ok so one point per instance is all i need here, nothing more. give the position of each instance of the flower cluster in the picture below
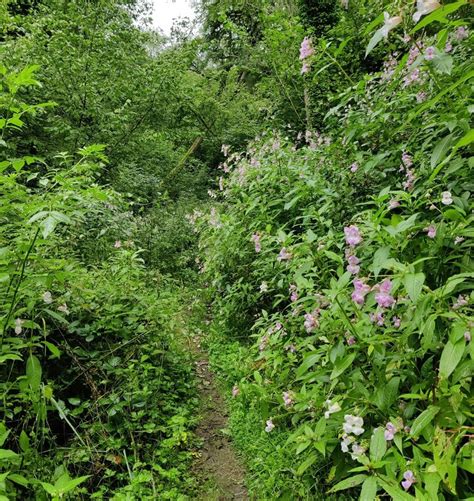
(256, 241)
(311, 321)
(306, 51)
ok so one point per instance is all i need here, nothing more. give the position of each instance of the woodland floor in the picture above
(220, 472)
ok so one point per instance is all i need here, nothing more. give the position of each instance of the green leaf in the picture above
(24, 441)
(423, 420)
(342, 365)
(450, 357)
(413, 284)
(393, 490)
(443, 64)
(376, 38)
(378, 445)
(440, 150)
(369, 489)
(468, 138)
(348, 483)
(8, 455)
(306, 464)
(33, 372)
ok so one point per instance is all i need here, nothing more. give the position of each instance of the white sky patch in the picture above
(165, 11)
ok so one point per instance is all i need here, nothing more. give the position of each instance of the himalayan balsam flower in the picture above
(357, 450)
(117, 244)
(256, 241)
(264, 287)
(393, 204)
(294, 293)
(288, 398)
(430, 53)
(461, 33)
(269, 426)
(424, 7)
(18, 323)
(377, 318)
(353, 424)
(448, 47)
(458, 240)
(390, 431)
(354, 167)
(351, 340)
(235, 391)
(353, 266)
(407, 160)
(47, 297)
(284, 255)
(305, 68)
(383, 297)
(396, 322)
(306, 49)
(291, 348)
(63, 308)
(311, 321)
(389, 23)
(409, 479)
(446, 198)
(353, 236)
(332, 408)
(431, 231)
(460, 302)
(360, 291)
(346, 441)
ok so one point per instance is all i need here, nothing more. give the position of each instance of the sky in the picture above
(164, 11)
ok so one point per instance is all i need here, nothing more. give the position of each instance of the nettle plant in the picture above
(347, 258)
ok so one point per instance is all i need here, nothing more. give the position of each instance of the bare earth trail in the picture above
(217, 467)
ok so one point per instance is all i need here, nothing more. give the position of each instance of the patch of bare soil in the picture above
(217, 467)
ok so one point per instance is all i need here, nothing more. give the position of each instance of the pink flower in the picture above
(431, 231)
(117, 244)
(306, 49)
(448, 47)
(305, 68)
(409, 182)
(353, 236)
(430, 53)
(269, 426)
(311, 321)
(294, 293)
(409, 479)
(225, 149)
(396, 322)
(360, 291)
(407, 160)
(383, 297)
(256, 241)
(288, 398)
(390, 431)
(351, 341)
(354, 167)
(460, 302)
(353, 267)
(291, 348)
(284, 255)
(461, 33)
(393, 204)
(377, 318)
(235, 391)
(424, 7)
(389, 23)
(18, 325)
(421, 96)
(467, 336)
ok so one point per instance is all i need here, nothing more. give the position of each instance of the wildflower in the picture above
(390, 431)
(353, 236)
(409, 182)
(389, 23)
(353, 424)
(431, 231)
(294, 293)
(354, 167)
(256, 241)
(47, 297)
(446, 198)
(377, 318)
(235, 391)
(18, 325)
(448, 47)
(353, 266)
(393, 204)
(460, 302)
(407, 159)
(225, 149)
(346, 441)
(306, 49)
(413, 54)
(430, 53)
(458, 240)
(63, 309)
(396, 322)
(360, 291)
(278, 327)
(332, 408)
(409, 479)
(117, 244)
(421, 96)
(424, 7)
(284, 255)
(412, 78)
(221, 183)
(211, 194)
(288, 398)
(357, 450)
(461, 33)
(383, 297)
(345, 4)
(467, 336)
(351, 340)
(406, 38)
(264, 287)
(291, 348)
(305, 68)
(311, 321)
(269, 426)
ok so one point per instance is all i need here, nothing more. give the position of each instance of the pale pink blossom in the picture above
(421, 96)
(354, 167)
(351, 341)
(424, 7)
(117, 244)
(460, 302)
(284, 255)
(63, 309)
(377, 318)
(331, 408)
(306, 49)
(461, 33)
(353, 425)
(311, 321)
(458, 240)
(383, 297)
(293, 293)
(288, 399)
(256, 241)
(269, 426)
(264, 287)
(389, 23)
(18, 325)
(448, 47)
(235, 391)
(47, 297)
(430, 53)
(409, 479)
(393, 204)
(353, 266)
(353, 236)
(360, 291)
(431, 231)
(446, 198)
(396, 322)
(467, 336)
(390, 431)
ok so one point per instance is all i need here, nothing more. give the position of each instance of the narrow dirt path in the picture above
(220, 472)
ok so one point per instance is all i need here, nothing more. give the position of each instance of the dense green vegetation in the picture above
(300, 173)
